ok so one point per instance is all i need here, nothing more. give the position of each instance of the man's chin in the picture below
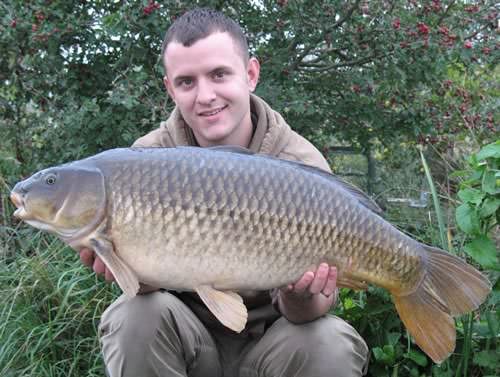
(214, 134)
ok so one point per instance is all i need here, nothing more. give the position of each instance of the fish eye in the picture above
(51, 179)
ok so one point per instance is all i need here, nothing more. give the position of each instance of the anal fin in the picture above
(346, 282)
(227, 307)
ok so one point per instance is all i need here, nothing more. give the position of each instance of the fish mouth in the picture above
(18, 201)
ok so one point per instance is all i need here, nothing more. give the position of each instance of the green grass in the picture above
(51, 306)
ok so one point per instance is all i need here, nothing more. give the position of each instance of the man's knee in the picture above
(133, 323)
(327, 346)
(153, 335)
(327, 336)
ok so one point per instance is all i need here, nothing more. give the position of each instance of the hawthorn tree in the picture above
(78, 77)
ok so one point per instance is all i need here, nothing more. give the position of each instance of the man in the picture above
(210, 77)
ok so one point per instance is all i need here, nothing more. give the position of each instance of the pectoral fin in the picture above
(227, 307)
(124, 276)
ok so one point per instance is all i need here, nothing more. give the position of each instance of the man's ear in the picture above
(168, 86)
(253, 72)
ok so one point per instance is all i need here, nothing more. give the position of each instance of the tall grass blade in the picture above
(435, 199)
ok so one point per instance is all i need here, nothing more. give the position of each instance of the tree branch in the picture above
(443, 16)
(351, 63)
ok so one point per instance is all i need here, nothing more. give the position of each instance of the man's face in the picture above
(211, 84)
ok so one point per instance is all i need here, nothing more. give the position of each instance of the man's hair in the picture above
(199, 23)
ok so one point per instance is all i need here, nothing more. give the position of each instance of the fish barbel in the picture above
(221, 220)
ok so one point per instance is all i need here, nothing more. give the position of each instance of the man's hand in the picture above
(311, 296)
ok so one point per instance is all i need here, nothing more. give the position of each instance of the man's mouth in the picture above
(213, 112)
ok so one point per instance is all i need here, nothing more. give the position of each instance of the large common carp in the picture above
(221, 220)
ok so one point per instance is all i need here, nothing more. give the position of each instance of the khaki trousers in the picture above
(157, 335)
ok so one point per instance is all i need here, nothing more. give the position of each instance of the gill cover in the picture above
(65, 200)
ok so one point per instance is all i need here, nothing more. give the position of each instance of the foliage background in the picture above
(378, 77)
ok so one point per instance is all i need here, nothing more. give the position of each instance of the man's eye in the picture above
(186, 82)
(219, 74)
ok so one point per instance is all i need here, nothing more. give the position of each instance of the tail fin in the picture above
(449, 288)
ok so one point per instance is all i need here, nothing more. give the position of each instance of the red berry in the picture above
(486, 50)
(444, 30)
(423, 28)
(396, 24)
(472, 9)
(436, 5)
(40, 16)
(468, 44)
(148, 9)
(13, 23)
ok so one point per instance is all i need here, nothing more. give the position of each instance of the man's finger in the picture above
(320, 279)
(304, 282)
(108, 275)
(99, 267)
(331, 283)
(87, 257)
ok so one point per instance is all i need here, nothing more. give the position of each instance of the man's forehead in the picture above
(217, 48)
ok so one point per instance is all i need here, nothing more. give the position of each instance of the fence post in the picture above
(371, 180)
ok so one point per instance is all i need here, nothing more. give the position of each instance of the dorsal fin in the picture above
(362, 197)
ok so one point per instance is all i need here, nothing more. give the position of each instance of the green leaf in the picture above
(493, 323)
(385, 355)
(483, 251)
(470, 195)
(490, 150)
(489, 183)
(494, 298)
(467, 219)
(389, 350)
(378, 353)
(393, 338)
(489, 207)
(459, 173)
(441, 371)
(487, 359)
(417, 357)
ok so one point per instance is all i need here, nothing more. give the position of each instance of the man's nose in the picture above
(206, 92)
